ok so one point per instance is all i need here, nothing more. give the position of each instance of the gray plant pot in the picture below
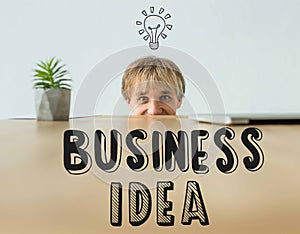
(52, 104)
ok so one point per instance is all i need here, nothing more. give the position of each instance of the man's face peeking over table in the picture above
(155, 98)
(153, 86)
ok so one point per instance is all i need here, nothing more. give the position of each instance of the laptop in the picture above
(244, 118)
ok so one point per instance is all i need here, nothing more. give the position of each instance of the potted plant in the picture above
(53, 90)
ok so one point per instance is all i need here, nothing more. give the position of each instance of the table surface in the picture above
(38, 195)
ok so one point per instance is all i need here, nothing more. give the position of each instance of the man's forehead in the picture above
(152, 87)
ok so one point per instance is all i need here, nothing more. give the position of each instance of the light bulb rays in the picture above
(141, 31)
(154, 26)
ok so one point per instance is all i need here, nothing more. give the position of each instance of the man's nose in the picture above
(154, 108)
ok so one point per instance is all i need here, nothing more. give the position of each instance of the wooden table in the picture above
(38, 195)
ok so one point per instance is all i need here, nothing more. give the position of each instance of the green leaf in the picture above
(41, 80)
(58, 70)
(66, 86)
(40, 73)
(63, 79)
(43, 67)
(50, 64)
(41, 84)
(54, 66)
(59, 76)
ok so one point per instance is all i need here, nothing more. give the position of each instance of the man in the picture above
(153, 86)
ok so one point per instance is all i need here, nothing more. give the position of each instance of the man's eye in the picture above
(164, 98)
(143, 99)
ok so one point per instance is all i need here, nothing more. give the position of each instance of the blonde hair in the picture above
(154, 70)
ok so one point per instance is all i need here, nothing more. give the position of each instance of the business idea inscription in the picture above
(169, 151)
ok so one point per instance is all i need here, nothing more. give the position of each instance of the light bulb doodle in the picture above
(154, 26)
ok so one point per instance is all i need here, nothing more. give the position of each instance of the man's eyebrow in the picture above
(165, 92)
(142, 93)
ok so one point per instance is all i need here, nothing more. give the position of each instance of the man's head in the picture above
(153, 86)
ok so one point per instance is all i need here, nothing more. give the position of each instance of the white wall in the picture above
(251, 47)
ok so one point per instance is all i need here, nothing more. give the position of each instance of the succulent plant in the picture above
(51, 74)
